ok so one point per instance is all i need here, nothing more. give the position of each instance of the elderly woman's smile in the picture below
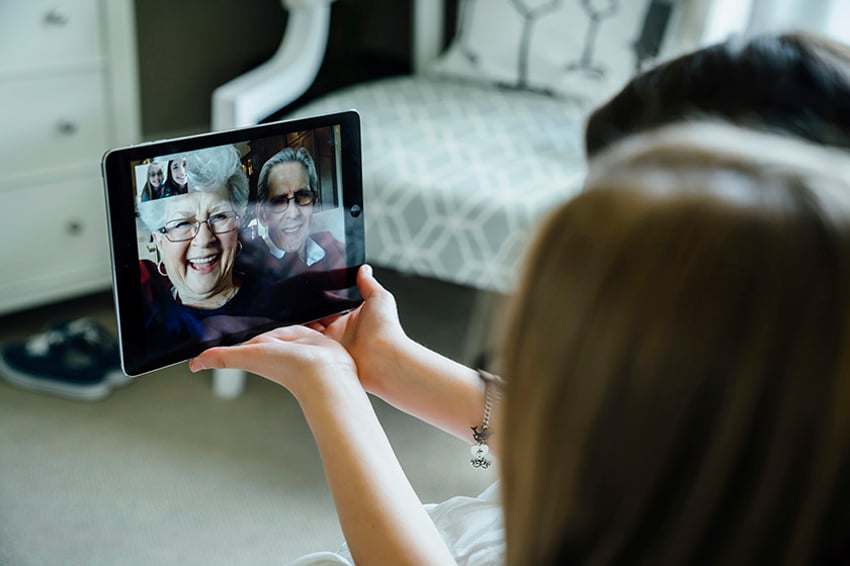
(199, 261)
(204, 264)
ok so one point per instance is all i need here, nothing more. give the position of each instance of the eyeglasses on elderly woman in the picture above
(183, 229)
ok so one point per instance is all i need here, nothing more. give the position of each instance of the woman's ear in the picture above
(157, 241)
(156, 238)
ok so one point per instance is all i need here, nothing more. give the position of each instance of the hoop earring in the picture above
(238, 247)
(160, 265)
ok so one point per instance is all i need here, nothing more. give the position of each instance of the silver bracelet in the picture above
(480, 450)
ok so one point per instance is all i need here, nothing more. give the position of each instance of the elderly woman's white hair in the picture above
(209, 170)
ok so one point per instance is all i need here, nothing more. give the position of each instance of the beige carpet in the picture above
(162, 472)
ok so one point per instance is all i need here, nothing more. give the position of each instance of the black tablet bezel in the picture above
(121, 214)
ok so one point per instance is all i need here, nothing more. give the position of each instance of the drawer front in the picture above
(47, 33)
(57, 242)
(52, 124)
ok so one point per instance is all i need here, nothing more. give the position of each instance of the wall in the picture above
(188, 48)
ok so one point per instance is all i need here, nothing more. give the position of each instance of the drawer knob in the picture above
(67, 127)
(56, 18)
(74, 227)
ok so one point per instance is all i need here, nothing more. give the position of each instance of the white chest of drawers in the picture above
(68, 92)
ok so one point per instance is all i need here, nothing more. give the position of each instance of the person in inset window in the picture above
(177, 181)
(153, 183)
(287, 191)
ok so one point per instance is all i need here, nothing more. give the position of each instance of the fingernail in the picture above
(196, 366)
(367, 269)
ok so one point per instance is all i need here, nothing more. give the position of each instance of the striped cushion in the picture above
(457, 175)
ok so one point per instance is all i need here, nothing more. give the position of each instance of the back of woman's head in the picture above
(792, 83)
(677, 359)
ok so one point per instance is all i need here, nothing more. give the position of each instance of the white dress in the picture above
(471, 526)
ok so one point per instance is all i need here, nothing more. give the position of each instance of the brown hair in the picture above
(676, 360)
(792, 83)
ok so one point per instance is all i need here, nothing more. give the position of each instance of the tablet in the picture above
(218, 237)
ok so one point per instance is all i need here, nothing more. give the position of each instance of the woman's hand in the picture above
(405, 374)
(371, 333)
(301, 359)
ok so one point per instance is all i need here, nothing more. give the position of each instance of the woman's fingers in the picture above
(257, 354)
(319, 325)
(366, 282)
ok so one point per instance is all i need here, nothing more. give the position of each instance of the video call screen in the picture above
(219, 237)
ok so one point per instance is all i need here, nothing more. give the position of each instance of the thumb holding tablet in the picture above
(400, 371)
(371, 333)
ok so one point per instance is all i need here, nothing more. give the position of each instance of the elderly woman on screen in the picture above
(196, 235)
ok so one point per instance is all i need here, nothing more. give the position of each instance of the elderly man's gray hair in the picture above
(287, 155)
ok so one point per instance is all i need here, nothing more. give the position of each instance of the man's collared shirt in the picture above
(314, 251)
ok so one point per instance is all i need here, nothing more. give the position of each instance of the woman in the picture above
(153, 183)
(675, 364)
(177, 180)
(193, 291)
(692, 369)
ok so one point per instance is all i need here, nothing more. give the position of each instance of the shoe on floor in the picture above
(77, 359)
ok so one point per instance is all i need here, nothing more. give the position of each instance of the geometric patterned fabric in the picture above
(457, 175)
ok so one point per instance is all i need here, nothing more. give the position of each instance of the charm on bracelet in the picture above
(480, 450)
(479, 456)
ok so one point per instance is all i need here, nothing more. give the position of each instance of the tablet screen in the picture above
(219, 237)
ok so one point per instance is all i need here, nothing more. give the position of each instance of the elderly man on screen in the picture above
(287, 190)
